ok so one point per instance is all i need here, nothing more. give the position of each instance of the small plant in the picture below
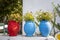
(28, 16)
(15, 16)
(44, 16)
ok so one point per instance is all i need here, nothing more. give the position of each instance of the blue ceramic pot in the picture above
(45, 28)
(29, 28)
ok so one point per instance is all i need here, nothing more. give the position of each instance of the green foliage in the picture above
(28, 16)
(15, 16)
(10, 6)
(56, 11)
(56, 25)
(44, 16)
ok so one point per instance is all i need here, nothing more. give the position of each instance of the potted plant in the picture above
(45, 25)
(14, 20)
(29, 26)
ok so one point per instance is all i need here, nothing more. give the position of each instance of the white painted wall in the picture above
(34, 5)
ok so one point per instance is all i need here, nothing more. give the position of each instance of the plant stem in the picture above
(54, 17)
(54, 23)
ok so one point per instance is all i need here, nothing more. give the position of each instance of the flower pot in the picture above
(45, 28)
(29, 28)
(13, 28)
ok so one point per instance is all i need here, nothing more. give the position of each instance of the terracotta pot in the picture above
(13, 28)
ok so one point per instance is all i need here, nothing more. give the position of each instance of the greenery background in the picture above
(7, 7)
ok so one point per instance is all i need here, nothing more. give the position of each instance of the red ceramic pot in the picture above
(13, 28)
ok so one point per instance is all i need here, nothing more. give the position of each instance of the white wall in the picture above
(33, 5)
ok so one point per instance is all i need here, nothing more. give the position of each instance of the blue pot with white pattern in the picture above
(29, 28)
(45, 28)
